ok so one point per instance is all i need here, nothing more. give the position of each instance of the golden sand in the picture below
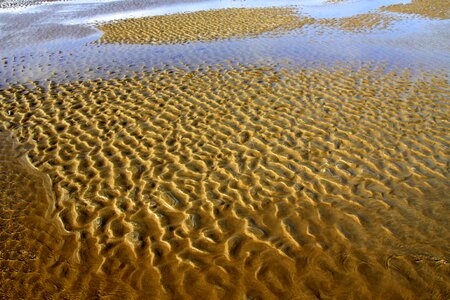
(360, 23)
(234, 182)
(202, 26)
(435, 9)
(38, 259)
(28, 238)
(22, 3)
(229, 23)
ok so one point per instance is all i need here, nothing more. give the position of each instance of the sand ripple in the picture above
(435, 9)
(38, 259)
(242, 181)
(360, 23)
(231, 23)
(202, 26)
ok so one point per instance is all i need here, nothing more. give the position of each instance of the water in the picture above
(56, 41)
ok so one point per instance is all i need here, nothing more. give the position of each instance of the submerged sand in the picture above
(257, 182)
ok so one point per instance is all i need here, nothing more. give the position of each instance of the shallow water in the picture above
(300, 164)
(67, 52)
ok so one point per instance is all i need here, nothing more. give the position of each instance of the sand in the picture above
(236, 181)
(223, 181)
(231, 23)
(434, 9)
(360, 23)
(202, 26)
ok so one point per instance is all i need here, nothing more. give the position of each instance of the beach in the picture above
(225, 150)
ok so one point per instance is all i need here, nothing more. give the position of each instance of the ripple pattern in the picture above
(245, 181)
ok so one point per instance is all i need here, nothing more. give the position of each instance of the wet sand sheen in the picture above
(32, 240)
(38, 258)
(248, 181)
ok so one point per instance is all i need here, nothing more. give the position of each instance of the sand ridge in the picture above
(249, 181)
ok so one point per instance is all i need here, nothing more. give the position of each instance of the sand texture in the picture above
(203, 26)
(22, 3)
(232, 182)
(359, 23)
(230, 23)
(38, 258)
(435, 9)
(28, 238)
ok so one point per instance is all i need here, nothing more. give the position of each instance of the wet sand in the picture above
(203, 26)
(249, 182)
(435, 9)
(360, 23)
(233, 180)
